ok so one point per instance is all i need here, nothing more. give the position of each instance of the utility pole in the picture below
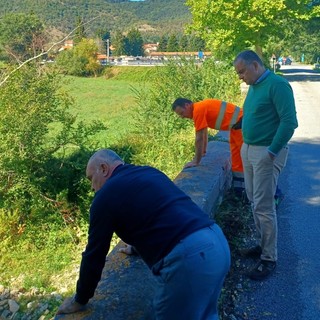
(108, 46)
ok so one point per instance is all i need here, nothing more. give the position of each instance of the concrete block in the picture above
(207, 183)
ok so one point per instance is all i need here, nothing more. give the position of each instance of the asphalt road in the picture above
(293, 292)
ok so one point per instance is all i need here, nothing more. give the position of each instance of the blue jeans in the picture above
(191, 276)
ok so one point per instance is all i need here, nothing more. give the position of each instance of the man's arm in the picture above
(70, 305)
(93, 258)
(201, 141)
(205, 143)
(283, 100)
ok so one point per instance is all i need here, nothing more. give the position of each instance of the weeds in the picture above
(235, 218)
(43, 249)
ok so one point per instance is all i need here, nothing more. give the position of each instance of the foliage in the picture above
(21, 36)
(231, 26)
(119, 43)
(134, 43)
(80, 60)
(38, 140)
(162, 15)
(167, 141)
(173, 45)
(304, 40)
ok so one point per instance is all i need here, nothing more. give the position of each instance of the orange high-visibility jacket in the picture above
(221, 115)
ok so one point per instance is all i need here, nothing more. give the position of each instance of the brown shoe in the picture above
(262, 270)
(254, 252)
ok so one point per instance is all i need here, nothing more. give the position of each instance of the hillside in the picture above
(151, 16)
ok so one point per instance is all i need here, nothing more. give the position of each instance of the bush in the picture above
(161, 138)
(40, 145)
(80, 60)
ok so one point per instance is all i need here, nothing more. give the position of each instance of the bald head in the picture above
(104, 156)
(101, 166)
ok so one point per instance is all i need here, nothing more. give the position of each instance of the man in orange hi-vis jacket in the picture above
(214, 114)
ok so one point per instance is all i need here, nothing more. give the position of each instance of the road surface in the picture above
(293, 292)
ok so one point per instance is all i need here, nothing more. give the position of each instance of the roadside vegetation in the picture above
(52, 120)
(50, 126)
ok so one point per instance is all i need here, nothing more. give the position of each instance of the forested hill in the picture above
(158, 16)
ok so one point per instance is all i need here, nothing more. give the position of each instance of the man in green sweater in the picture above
(269, 121)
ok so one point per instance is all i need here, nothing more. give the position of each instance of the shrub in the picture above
(162, 139)
(39, 141)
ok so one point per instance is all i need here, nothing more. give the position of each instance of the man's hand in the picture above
(190, 164)
(128, 249)
(271, 155)
(70, 306)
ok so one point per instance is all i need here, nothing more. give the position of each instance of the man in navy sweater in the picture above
(185, 250)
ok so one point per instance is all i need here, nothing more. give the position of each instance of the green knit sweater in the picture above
(269, 113)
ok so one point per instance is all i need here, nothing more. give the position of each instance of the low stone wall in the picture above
(126, 288)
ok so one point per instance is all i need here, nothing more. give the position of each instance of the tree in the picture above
(38, 133)
(134, 43)
(163, 44)
(105, 37)
(229, 26)
(173, 44)
(196, 44)
(80, 60)
(119, 44)
(21, 36)
(80, 31)
(184, 43)
(305, 41)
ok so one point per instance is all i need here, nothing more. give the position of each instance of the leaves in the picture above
(162, 130)
(21, 36)
(36, 129)
(80, 60)
(233, 25)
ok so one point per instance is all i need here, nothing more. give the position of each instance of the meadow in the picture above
(108, 99)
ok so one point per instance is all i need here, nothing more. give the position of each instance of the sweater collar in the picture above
(263, 76)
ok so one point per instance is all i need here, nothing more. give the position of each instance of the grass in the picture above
(109, 99)
(106, 100)
(48, 258)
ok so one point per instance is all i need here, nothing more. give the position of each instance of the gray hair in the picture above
(248, 56)
(105, 156)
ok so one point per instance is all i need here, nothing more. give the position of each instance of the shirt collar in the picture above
(263, 76)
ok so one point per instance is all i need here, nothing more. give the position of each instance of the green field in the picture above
(107, 100)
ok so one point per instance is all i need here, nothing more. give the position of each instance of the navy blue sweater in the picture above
(145, 209)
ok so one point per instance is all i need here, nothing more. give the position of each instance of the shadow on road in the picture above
(300, 74)
(306, 155)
